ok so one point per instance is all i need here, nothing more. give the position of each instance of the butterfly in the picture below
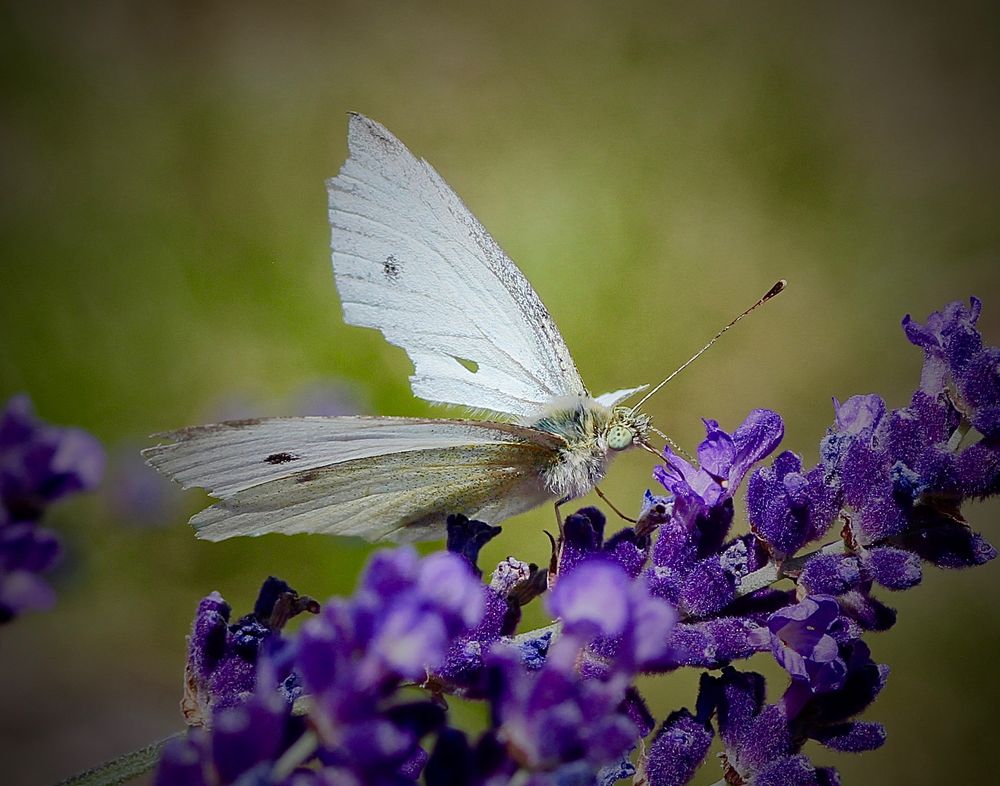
(410, 260)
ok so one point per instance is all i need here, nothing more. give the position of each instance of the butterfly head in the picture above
(626, 428)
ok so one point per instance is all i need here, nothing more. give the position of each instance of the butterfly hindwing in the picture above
(377, 478)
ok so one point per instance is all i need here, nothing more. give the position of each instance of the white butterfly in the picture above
(411, 260)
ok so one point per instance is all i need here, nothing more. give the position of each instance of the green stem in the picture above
(302, 749)
(123, 768)
(772, 572)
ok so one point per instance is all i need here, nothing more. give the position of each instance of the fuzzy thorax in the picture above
(583, 423)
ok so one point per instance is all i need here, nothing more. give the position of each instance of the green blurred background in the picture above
(651, 167)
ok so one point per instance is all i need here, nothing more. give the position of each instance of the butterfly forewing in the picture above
(412, 261)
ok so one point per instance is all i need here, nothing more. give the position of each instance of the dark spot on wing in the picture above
(281, 458)
(307, 477)
(391, 267)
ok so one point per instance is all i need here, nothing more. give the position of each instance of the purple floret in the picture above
(678, 749)
(723, 462)
(802, 644)
(763, 741)
(894, 569)
(693, 565)
(583, 536)
(901, 477)
(787, 507)
(830, 574)
(467, 537)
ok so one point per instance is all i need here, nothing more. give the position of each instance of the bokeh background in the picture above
(652, 167)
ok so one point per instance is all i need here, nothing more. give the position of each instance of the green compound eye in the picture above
(619, 437)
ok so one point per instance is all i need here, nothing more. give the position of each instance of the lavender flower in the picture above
(39, 465)
(583, 537)
(723, 461)
(512, 584)
(896, 477)
(577, 713)
(551, 719)
(600, 604)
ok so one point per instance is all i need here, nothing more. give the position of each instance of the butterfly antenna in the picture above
(778, 287)
(674, 446)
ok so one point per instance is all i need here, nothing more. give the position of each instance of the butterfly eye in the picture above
(619, 437)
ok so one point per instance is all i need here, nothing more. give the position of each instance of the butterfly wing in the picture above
(377, 478)
(412, 261)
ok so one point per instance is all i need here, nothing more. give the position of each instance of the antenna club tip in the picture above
(778, 287)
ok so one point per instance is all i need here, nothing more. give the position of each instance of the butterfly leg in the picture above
(559, 518)
(612, 506)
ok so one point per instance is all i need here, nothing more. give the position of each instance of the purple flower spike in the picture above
(756, 736)
(408, 610)
(763, 742)
(801, 643)
(513, 584)
(400, 625)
